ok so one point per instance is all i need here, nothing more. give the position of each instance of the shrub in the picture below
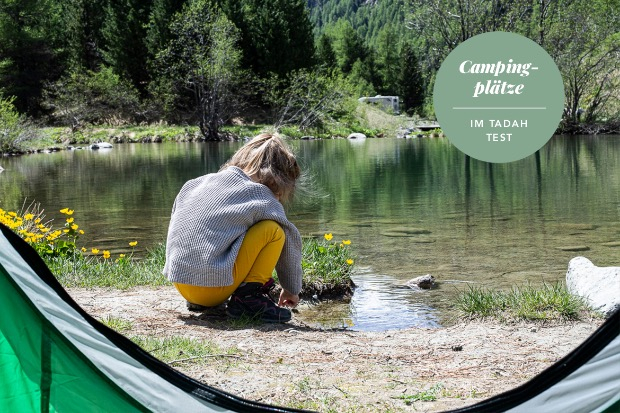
(15, 130)
(84, 97)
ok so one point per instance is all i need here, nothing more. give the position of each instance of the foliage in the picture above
(326, 262)
(92, 97)
(582, 37)
(123, 34)
(15, 130)
(202, 61)
(30, 47)
(527, 303)
(410, 81)
(276, 35)
(175, 348)
(308, 99)
(588, 56)
(429, 395)
(32, 226)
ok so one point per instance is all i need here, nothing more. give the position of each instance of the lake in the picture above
(409, 206)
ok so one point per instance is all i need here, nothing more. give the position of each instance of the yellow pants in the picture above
(259, 253)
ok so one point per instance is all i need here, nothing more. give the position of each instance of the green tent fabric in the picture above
(54, 357)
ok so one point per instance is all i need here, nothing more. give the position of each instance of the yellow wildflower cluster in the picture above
(345, 242)
(47, 240)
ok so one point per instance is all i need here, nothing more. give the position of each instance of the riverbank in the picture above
(296, 365)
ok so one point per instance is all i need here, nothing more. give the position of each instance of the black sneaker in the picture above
(252, 300)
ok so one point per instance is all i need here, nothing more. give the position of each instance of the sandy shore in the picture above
(342, 370)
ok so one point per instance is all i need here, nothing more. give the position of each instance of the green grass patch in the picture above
(177, 349)
(429, 395)
(95, 271)
(548, 302)
(118, 324)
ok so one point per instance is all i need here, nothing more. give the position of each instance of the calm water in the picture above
(410, 207)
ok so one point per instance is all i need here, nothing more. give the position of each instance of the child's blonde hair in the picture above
(269, 161)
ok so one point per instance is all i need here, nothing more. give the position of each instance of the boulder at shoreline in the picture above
(599, 286)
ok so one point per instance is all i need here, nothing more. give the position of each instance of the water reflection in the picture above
(410, 207)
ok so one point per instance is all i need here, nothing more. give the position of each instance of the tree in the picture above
(276, 35)
(310, 99)
(388, 61)
(158, 29)
(325, 52)
(444, 24)
(348, 45)
(202, 61)
(15, 130)
(88, 97)
(27, 50)
(410, 81)
(584, 40)
(124, 33)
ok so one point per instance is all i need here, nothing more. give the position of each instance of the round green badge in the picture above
(498, 97)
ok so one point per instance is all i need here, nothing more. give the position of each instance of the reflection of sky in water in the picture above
(377, 305)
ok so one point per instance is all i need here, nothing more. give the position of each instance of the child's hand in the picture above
(287, 299)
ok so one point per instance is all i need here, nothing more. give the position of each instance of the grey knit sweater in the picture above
(210, 217)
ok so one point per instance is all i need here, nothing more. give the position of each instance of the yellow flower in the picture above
(74, 227)
(64, 210)
(69, 220)
(81, 232)
(95, 251)
(133, 243)
(106, 254)
(28, 217)
(65, 230)
(122, 256)
(12, 214)
(350, 261)
(83, 249)
(329, 236)
(38, 220)
(346, 242)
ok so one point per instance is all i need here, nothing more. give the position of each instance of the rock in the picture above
(574, 248)
(424, 282)
(405, 232)
(356, 135)
(101, 145)
(599, 286)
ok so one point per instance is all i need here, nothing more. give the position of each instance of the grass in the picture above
(548, 302)
(327, 269)
(177, 349)
(88, 271)
(429, 395)
(327, 266)
(118, 324)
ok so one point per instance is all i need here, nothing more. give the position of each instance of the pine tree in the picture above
(124, 33)
(325, 52)
(411, 83)
(276, 35)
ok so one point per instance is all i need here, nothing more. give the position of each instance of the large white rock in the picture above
(600, 286)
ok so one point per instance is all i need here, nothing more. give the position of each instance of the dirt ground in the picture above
(298, 366)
